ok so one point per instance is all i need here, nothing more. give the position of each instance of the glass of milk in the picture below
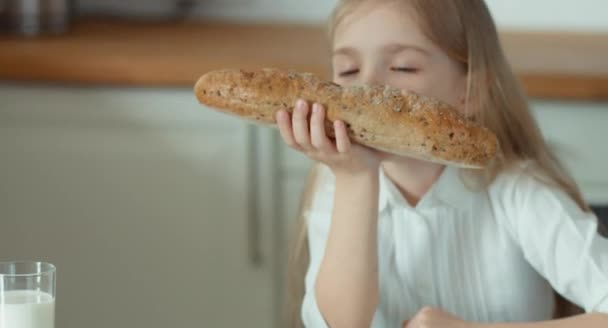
(27, 295)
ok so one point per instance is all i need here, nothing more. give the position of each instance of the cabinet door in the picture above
(142, 200)
(577, 133)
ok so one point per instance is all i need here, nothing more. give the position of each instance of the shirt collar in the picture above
(449, 189)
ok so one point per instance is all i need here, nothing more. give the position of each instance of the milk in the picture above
(27, 309)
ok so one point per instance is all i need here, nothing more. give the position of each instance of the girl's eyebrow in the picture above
(391, 48)
(349, 51)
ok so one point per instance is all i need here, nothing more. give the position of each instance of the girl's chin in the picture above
(390, 157)
(401, 159)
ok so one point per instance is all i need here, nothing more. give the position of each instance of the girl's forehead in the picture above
(377, 23)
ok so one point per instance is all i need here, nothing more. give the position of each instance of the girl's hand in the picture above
(341, 156)
(429, 317)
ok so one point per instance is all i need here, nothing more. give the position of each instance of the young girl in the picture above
(389, 241)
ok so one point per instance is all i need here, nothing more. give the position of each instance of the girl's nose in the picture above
(372, 78)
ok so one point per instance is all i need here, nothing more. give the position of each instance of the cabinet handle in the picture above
(254, 249)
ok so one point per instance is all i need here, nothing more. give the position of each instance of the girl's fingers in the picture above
(284, 123)
(300, 125)
(301, 135)
(342, 139)
(317, 130)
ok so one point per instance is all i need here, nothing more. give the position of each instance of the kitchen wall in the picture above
(564, 15)
(583, 15)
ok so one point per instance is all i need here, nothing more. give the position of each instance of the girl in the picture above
(389, 241)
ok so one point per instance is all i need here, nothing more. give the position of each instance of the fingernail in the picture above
(316, 107)
(300, 104)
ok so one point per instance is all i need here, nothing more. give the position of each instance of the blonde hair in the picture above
(464, 30)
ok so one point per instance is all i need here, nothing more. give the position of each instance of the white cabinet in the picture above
(577, 132)
(161, 213)
(150, 206)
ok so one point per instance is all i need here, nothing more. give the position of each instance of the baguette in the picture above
(379, 117)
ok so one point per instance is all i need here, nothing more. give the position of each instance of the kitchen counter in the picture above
(550, 65)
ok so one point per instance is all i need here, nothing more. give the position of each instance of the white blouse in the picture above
(487, 256)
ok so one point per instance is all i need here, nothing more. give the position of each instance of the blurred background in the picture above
(159, 212)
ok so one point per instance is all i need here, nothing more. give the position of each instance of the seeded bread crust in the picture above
(379, 117)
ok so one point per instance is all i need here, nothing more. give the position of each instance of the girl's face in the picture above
(383, 45)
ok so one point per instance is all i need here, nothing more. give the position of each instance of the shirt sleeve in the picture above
(318, 224)
(560, 241)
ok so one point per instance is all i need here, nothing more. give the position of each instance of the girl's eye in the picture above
(404, 69)
(349, 72)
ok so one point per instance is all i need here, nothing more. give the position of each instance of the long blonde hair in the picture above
(465, 30)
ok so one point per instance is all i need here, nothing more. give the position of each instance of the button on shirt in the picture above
(493, 255)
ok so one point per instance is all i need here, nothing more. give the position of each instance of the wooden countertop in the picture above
(551, 65)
